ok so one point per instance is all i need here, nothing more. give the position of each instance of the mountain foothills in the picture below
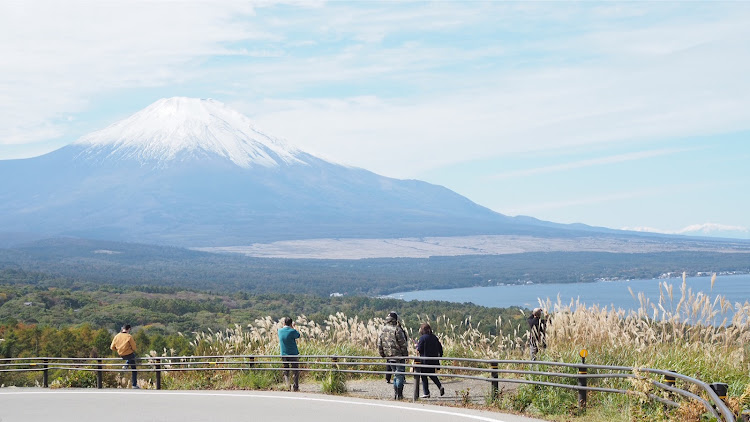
(190, 173)
(129, 264)
(193, 172)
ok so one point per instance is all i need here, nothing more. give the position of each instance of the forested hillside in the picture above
(40, 314)
(138, 265)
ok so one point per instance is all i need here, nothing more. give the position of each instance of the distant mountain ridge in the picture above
(190, 172)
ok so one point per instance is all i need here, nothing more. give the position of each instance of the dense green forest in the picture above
(93, 287)
(138, 265)
(41, 314)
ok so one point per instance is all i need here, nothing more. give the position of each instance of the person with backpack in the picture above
(392, 345)
(429, 345)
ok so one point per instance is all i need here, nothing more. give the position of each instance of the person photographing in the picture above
(537, 332)
(289, 353)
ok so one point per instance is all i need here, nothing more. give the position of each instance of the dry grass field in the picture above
(692, 333)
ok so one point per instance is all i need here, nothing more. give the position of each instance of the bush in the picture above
(76, 379)
(257, 380)
(334, 383)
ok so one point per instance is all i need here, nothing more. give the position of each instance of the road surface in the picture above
(114, 405)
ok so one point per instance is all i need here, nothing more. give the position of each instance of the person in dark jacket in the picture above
(537, 332)
(392, 345)
(429, 346)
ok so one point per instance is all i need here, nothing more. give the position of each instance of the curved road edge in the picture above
(74, 405)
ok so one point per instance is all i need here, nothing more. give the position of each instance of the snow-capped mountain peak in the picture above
(179, 127)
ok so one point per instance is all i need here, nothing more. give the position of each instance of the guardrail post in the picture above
(494, 365)
(99, 374)
(582, 382)
(157, 369)
(45, 374)
(417, 371)
(669, 380)
(720, 389)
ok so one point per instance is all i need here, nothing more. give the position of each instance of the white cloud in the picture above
(671, 90)
(587, 163)
(712, 227)
(622, 197)
(532, 209)
(707, 229)
(419, 103)
(57, 55)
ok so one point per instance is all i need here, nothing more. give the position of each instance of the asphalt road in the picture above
(81, 405)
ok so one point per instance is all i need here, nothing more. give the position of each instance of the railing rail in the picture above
(462, 368)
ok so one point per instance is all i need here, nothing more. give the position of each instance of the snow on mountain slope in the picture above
(180, 127)
(191, 172)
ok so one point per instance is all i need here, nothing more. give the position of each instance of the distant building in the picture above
(336, 294)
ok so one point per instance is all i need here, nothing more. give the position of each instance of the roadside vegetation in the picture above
(688, 332)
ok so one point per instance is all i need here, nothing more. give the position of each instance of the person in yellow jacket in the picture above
(124, 345)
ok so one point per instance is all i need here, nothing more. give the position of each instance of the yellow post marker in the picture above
(582, 382)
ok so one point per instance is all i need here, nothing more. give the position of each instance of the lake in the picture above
(736, 288)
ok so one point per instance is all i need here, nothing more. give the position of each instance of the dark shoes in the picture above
(427, 395)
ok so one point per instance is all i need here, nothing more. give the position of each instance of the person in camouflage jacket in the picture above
(392, 344)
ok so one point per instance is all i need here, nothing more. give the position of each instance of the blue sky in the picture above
(625, 115)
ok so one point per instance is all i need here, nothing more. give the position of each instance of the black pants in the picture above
(429, 372)
(291, 362)
(425, 386)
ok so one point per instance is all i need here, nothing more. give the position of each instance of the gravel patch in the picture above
(456, 389)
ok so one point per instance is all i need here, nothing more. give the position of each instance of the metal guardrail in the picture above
(465, 368)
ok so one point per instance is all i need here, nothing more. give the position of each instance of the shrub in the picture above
(257, 380)
(334, 383)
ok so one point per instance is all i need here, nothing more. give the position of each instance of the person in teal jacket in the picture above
(289, 354)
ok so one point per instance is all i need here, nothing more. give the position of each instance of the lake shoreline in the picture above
(735, 286)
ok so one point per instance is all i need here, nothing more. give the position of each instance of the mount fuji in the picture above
(193, 172)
